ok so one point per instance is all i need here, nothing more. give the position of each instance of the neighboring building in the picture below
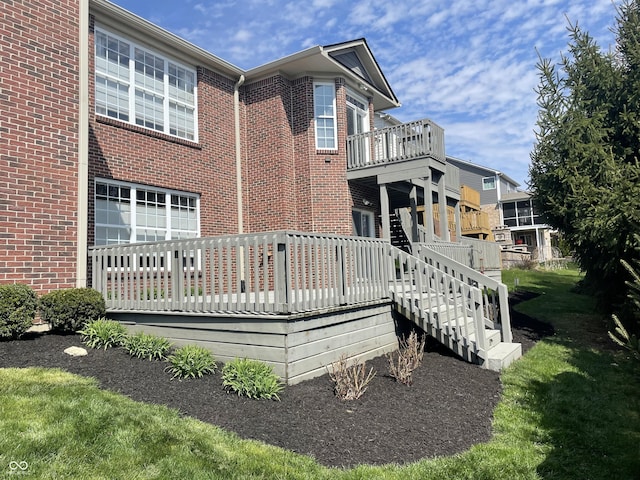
(512, 215)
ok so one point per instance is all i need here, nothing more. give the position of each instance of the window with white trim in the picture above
(138, 86)
(324, 104)
(130, 213)
(489, 183)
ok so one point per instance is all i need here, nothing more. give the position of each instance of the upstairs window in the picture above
(324, 105)
(138, 86)
(489, 183)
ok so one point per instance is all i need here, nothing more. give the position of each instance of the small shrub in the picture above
(407, 358)
(103, 333)
(351, 381)
(69, 310)
(251, 378)
(18, 306)
(151, 347)
(191, 361)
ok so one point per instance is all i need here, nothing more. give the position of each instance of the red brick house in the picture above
(115, 132)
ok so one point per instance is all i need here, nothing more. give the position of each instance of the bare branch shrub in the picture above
(407, 358)
(350, 381)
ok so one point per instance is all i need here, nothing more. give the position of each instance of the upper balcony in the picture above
(408, 146)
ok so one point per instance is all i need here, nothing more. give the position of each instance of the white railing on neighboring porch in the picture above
(276, 272)
(396, 143)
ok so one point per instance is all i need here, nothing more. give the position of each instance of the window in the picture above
(519, 214)
(489, 183)
(128, 213)
(324, 102)
(363, 223)
(138, 86)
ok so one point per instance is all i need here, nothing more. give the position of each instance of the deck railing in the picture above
(495, 295)
(442, 304)
(275, 272)
(396, 143)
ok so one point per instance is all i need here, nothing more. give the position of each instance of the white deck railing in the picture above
(399, 142)
(495, 301)
(276, 272)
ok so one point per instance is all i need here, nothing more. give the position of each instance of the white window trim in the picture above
(495, 182)
(133, 188)
(132, 97)
(334, 116)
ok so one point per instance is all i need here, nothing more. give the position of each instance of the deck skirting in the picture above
(299, 347)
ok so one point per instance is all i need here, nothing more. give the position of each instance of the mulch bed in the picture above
(448, 408)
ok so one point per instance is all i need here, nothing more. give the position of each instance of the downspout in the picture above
(83, 146)
(236, 119)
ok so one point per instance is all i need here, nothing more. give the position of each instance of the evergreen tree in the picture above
(584, 172)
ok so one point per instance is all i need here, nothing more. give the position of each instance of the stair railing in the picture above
(439, 302)
(495, 302)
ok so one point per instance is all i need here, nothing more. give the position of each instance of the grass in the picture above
(570, 410)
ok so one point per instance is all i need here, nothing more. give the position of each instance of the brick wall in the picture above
(38, 142)
(288, 183)
(124, 152)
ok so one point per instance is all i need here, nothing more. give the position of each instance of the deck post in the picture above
(458, 221)
(413, 202)
(428, 206)
(282, 279)
(384, 212)
(177, 281)
(442, 205)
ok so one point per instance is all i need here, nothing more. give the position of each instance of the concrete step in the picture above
(502, 355)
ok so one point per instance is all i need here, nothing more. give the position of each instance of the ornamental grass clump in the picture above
(251, 378)
(407, 358)
(191, 361)
(143, 345)
(351, 381)
(103, 333)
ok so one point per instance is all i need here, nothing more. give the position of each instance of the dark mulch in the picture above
(448, 408)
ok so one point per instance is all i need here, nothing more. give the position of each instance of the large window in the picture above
(138, 86)
(519, 214)
(324, 102)
(129, 213)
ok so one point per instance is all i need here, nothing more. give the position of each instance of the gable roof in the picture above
(353, 59)
(460, 163)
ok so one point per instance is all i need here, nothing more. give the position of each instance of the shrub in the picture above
(407, 359)
(103, 333)
(69, 310)
(251, 378)
(18, 305)
(351, 381)
(143, 345)
(191, 361)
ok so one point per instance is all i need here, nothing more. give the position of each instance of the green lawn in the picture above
(570, 410)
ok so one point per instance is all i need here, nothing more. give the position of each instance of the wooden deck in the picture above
(298, 346)
(299, 301)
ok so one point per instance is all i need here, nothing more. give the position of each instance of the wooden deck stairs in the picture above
(455, 305)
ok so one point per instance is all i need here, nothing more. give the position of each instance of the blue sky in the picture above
(468, 65)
